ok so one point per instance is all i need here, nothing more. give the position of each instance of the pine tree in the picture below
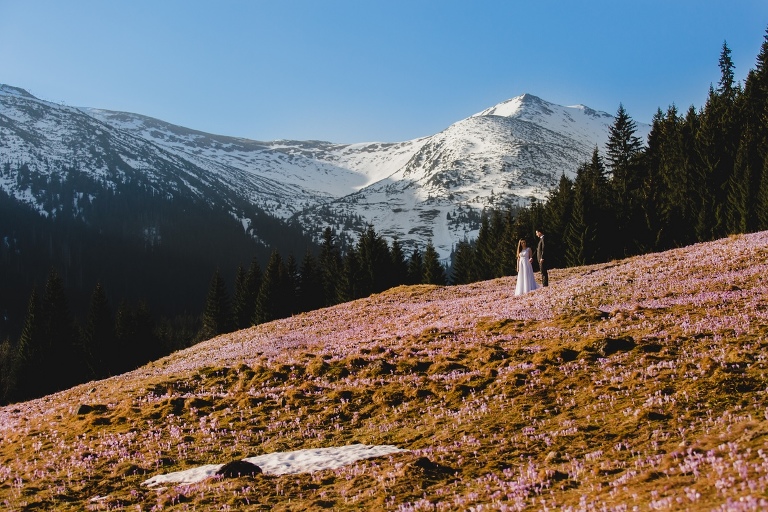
(623, 150)
(748, 187)
(463, 263)
(289, 289)
(349, 286)
(677, 213)
(508, 246)
(758, 82)
(268, 301)
(375, 263)
(415, 267)
(240, 313)
(558, 211)
(29, 352)
(217, 313)
(579, 233)
(310, 284)
(62, 360)
(99, 344)
(485, 249)
(331, 265)
(434, 272)
(134, 332)
(590, 217)
(717, 142)
(7, 371)
(253, 281)
(399, 266)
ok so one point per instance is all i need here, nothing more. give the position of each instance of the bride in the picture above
(526, 281)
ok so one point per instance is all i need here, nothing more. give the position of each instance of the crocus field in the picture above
(637, 384)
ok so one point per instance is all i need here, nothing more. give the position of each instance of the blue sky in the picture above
(365, 70)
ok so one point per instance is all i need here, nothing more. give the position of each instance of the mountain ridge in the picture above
(503, 156)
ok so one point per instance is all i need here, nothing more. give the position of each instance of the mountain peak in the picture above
(9, 90)
(516, 106)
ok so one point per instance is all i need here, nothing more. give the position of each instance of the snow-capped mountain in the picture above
(431, 188)
(505, 155)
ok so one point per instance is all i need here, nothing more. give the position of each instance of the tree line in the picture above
(55, 352)
(701, 175)
(285, 287)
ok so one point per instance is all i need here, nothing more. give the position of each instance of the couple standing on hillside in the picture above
(526, 281)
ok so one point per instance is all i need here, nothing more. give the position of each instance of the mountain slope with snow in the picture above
(502, 156)
(428, 189)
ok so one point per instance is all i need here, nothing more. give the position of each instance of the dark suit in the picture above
(542, 263)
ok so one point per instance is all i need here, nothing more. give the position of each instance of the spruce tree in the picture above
(349, 286)
(761, 201)
(485, 249)
(742, 189)
(217, 313)
(508, 246)
(253, 281)
(434, 272)
(7, 371)
(268, 301)
(415, 267)
(135, 335)
(717, 142)
(62, 361)
(463, 263)
(558, 211)
(726, 87)
(310, 284)
(748, 186)
(374, 261)
(125, 334)
(580, 233)
(590, 220)
(289, 289)
(240, 313)
(331, 265)
(622, 157)
(399, 272)
(29, 352)
(99, 344)
(758, 82)
(650, 190)
(692, 170)
(676, 188)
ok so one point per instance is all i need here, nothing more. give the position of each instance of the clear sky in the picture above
(369, 70)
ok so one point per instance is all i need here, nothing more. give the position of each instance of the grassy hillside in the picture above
(639, 382)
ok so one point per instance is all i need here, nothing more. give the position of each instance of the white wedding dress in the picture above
(526, 281)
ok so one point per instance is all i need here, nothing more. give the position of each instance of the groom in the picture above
(540, 257)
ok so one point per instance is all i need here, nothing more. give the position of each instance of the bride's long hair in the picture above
(521, 245)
